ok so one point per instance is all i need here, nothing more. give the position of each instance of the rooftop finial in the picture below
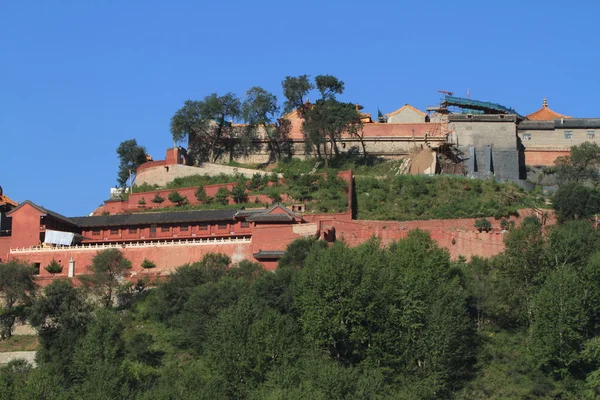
(545, 103)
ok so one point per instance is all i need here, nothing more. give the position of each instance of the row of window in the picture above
(589, 135)
(167, 228)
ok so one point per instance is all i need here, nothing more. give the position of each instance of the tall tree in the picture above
(61, 317)
(108, 271)
(16, 291)
(296, 90)
(581, 166)
(260, 111)
(207, 125)
(326, 119)
(131, 156)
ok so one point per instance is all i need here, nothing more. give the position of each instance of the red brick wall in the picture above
(468, 241)
(4, 247)
(166, 258)
(543, 157)
(25, 226)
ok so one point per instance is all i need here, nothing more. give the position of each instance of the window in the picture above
(132, 229)
(152, 228)
(222, 225)
(165, 228)
(203, 227)
(527, 136)
(245, 224)
(184, 227)
(114, 231)
(36, 268)
(568, 134)
(96, 232)
(590, 135)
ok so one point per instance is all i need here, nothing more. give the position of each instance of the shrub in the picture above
(222, 195)
(147, 264)
(200, 194)
(483, 225)
(177, 199)
(158, 199)
(54, 267)
(506, 224)
(258, 181)
(142, 202)
(239, 192)
(274, 178)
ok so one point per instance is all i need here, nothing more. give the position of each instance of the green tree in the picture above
(131, 156)
(238, 192)
(483, 225)
(575, 201)
(147, 264)
(222, 195)
(107, 275)
(295, 89)
(171, 295)
(98, 358)
(260, 111)
(581, 166)
(522, 267)
(176, 198)
(157, 199)
(572, 243)
(54, 267)
(326, 119)
(17, 289)
(206, 124)
(61, 317)
(559, 322)
(201, 195)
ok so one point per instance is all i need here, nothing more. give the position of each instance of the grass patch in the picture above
(19, 343)
(407, 197)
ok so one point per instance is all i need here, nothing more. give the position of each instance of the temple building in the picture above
(546, 135)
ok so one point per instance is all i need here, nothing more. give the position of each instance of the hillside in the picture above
(380, 192)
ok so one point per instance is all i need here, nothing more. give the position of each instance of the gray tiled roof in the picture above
(269, 254)
(565, 123)
(270, 217)
(155, 218)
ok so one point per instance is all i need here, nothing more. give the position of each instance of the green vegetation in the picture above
(483, 225)
(157, 199)
(17, 290)
(332, 322)
(222, 196)
(131, 156)
(54, 267)
(147, 264)
(407, 197)
(176, 198)
(19, 343)
(201, 180)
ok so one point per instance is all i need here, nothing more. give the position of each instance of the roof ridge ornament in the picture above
(545, 103)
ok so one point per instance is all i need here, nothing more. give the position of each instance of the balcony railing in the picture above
(152, 243)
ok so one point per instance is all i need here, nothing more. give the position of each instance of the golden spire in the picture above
(545, 103)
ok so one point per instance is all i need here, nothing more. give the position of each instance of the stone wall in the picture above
(163, 174)
(474, 133)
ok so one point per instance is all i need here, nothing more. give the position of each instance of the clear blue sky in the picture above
(79, 77)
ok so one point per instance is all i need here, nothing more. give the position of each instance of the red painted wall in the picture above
(166, 258)
(543, 157)
(4, 247)
(25, 226)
